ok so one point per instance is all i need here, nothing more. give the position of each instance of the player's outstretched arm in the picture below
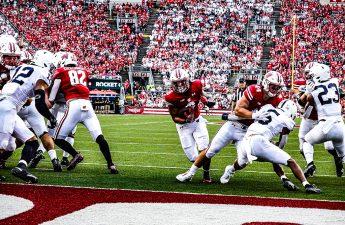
(241, 108)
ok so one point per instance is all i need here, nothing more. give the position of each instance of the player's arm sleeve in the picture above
(40, 103)
(54, 89)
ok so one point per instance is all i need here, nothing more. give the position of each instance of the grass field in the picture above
(149, 156)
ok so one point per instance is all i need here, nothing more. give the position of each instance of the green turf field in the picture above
(149, 156)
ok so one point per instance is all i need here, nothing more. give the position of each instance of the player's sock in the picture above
(104, 147)
(52, 154)
(41, 148)
(65, 154)
(332, 152)
(304, 183)
(5, 155)
(30, 147)
(67, 147)
(70, 140)
(308, 150)
(193, 169)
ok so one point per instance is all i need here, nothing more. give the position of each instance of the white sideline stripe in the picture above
(179, 168)
(173, 192)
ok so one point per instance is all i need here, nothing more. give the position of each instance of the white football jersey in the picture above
(277, 120)
(22, 84)
(327, 99)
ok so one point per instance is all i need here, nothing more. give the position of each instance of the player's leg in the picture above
(91, 122)
(305, 126)
(30, 147)
(227, 133)
(314, 136)
(70, 119)
(202, 140)
(5, 155)
(337, 134)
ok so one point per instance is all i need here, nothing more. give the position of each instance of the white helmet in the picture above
(25, 56)
(44, 58)
(64, 59)
(273, 83)
(320, 72)
(289, 108)
(8, 48)
(8, 38)
(179, 80)
(307, 69)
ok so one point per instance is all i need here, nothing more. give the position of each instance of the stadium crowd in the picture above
(207, 38)
(82, 29)
(320, 33)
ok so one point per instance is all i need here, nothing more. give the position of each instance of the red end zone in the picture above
(51, 202)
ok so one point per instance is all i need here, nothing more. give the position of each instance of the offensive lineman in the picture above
(325, 97)
(72, 81)
(255, 96)
(183, 101)
(256, 143)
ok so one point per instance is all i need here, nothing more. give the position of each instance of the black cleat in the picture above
(24, 175)
(76, 159)
(289, 185)
(312, 189)
(207, 178)
(56, 165)
(2, 178)
(38, 157)
(310, 170)
(64, 162)
(339, 167)
(113, 169)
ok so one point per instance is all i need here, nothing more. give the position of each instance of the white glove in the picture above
(260, 116)
(309, 87)
(190, 104)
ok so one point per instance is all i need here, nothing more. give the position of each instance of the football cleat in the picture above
(38, 157)
(226, 175)
(113, 170)
(289, 185)
(312, 189)
(56, 165)
(2, 178)
(339, 167)
(24, 175)
(76, 159)
(207, 178)
(184, 177)
(64, 162)
(310, 170)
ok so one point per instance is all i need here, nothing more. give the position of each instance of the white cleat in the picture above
(226, 175)
(184, 177)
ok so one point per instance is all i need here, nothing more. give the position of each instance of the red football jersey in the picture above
(255, 96)
(73, 82)
(180, 101)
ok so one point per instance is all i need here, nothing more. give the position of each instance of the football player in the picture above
(256, 144)
(183, 101)
(325, 97)
(27, 81)
(308, 122)
(36, 121)
(72, 81)
(255, 96)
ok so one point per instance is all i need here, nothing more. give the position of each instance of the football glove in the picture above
(260, 116)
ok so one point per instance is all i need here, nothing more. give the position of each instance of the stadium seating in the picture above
(80, 28)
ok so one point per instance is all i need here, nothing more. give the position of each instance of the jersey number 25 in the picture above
(77, 77)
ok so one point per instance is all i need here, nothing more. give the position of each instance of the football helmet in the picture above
(179, 80)
(25, 56)
(9, 54)
(307, 70)
(289, 108)
(320, 73)
(44, 58)
(66, 59)
(273, 83)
